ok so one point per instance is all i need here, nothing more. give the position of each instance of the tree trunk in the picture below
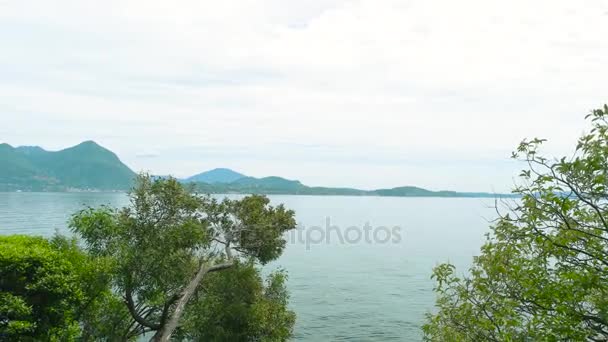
(164, 333)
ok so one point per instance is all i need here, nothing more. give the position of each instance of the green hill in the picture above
(219, 175)
(84, 166)
(88, 166)
(282, 186)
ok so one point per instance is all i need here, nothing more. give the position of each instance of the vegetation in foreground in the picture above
(542, 275)
(179, 266)
(172, 265)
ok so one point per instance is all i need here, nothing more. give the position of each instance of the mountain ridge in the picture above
(274, 185)
(90, 166)
(87, 165)
(217, 175)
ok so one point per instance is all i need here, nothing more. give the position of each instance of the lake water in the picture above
(344, 285)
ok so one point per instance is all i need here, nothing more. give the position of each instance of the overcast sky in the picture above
(370, 93)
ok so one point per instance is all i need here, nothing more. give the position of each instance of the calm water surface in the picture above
(349, 290)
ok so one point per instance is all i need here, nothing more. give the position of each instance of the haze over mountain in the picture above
(307, 89)
(88, 166)
(84, 166)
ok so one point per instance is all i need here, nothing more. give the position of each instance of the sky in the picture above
(368, 94)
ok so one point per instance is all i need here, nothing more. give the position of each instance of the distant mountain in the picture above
(220, 175)
(84, 166)
(88, 166)
(30, 150)
(412, 191)
(282, 186)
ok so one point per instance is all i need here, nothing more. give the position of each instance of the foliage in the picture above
(168, 244)
(543, 273)
(46, 288)
(236, 305)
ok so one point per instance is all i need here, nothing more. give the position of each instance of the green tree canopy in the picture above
(236, 305)
(543, 272)
(167, 247)
(47, 288)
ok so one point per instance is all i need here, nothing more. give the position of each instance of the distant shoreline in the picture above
(91, 168)
(458, 195)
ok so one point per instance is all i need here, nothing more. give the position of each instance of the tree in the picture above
(169, 241)
(236, 305)
(47, 288)
(543, 272)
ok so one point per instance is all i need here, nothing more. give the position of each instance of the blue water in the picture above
(347, 287)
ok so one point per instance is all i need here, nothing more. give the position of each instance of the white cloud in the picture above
(409, 81)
